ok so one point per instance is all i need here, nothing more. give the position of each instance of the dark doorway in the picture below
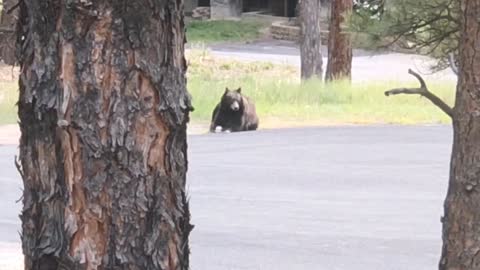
(255, 5)
(203, 3)
(284, 8)
(291, 8)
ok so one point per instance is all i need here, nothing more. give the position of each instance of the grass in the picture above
(223, 30)
(283, 101)
(8, 99)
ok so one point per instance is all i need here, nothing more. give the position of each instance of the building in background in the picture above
(221, 9)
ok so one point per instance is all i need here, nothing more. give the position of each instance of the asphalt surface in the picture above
(366, 65)
(317, 198)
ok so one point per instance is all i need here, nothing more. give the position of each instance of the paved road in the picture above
(318, 198)
(366, 66)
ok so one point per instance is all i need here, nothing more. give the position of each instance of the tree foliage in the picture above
(427, 27)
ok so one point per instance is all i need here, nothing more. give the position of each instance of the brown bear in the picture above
(234, 113)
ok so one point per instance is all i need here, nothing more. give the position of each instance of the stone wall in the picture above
(284, 31)
(225, 9)
(281, 31)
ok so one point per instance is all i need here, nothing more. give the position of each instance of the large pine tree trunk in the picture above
(310, 41)
(103, 109)
(339, 65)
(461, 221)
(7, 35)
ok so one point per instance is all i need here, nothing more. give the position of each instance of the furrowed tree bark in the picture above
(103, 110)
(461, 221)
(7, 35)
(310, 41)
(339, 65)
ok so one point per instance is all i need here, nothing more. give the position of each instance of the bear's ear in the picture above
(239, 90)
(227, 90)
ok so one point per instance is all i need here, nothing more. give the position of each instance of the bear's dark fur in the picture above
(235, 112)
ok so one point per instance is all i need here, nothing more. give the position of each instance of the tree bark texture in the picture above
(339, 65)
(461, 221)
(7, 35)
(103, 111)
(310, 41)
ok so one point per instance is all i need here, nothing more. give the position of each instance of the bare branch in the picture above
(423, 91)
(407, 91)
(423, 85)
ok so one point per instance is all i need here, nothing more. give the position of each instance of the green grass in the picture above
(8, 99)
(223, 30)
(317, 103)
(283, 101)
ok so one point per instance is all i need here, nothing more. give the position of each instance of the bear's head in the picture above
(232, 100)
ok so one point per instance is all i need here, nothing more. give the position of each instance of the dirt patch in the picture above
(11, 257)
(9, 134)
(281, 123)
(8, 73)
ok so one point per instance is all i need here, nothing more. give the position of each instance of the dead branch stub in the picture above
(423, 91)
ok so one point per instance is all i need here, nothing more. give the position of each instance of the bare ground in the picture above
(8, 73)
(11, 257)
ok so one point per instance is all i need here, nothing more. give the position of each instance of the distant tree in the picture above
(372, 8)
(310, 40)
(339, 65)
(103, 110)
(427, 27)
(461, 220)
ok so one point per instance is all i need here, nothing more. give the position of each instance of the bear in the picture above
(235, 112)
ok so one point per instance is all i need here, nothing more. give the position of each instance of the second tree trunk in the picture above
(339, 65)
